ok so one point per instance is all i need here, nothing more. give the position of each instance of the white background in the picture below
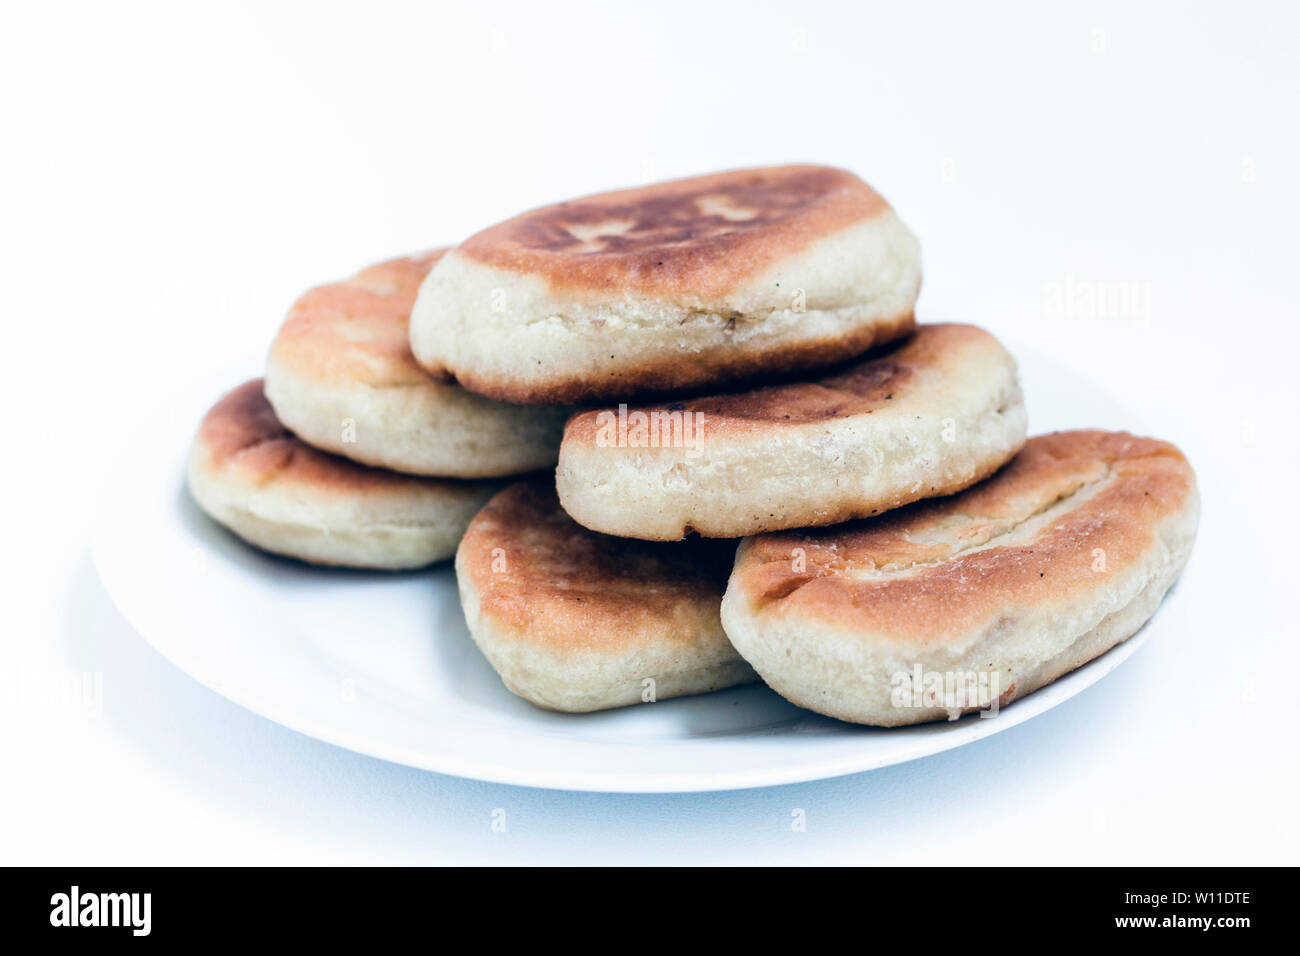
(174, 176)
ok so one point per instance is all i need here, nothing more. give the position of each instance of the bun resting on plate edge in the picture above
(1051, 562)
(251, 474)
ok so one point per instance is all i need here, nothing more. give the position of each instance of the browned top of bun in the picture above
(701, 236)
(890, 380)
(1070, 509)
(357, 330)
(242, 437)
(543, 578)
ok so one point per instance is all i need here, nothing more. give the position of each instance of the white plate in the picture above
(383, 664)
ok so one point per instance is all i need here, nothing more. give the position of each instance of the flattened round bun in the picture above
(679, 285)
(576, 621)
(1060, 556)
(340, 374)
(926, 417)
(249, 473)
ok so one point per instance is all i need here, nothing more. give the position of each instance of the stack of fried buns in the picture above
(690, 435)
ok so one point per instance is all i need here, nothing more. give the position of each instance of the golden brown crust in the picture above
(1070, 507)
(881, 377)
(357, 330)
(241, 434)
(547, 580)
(698, 237)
